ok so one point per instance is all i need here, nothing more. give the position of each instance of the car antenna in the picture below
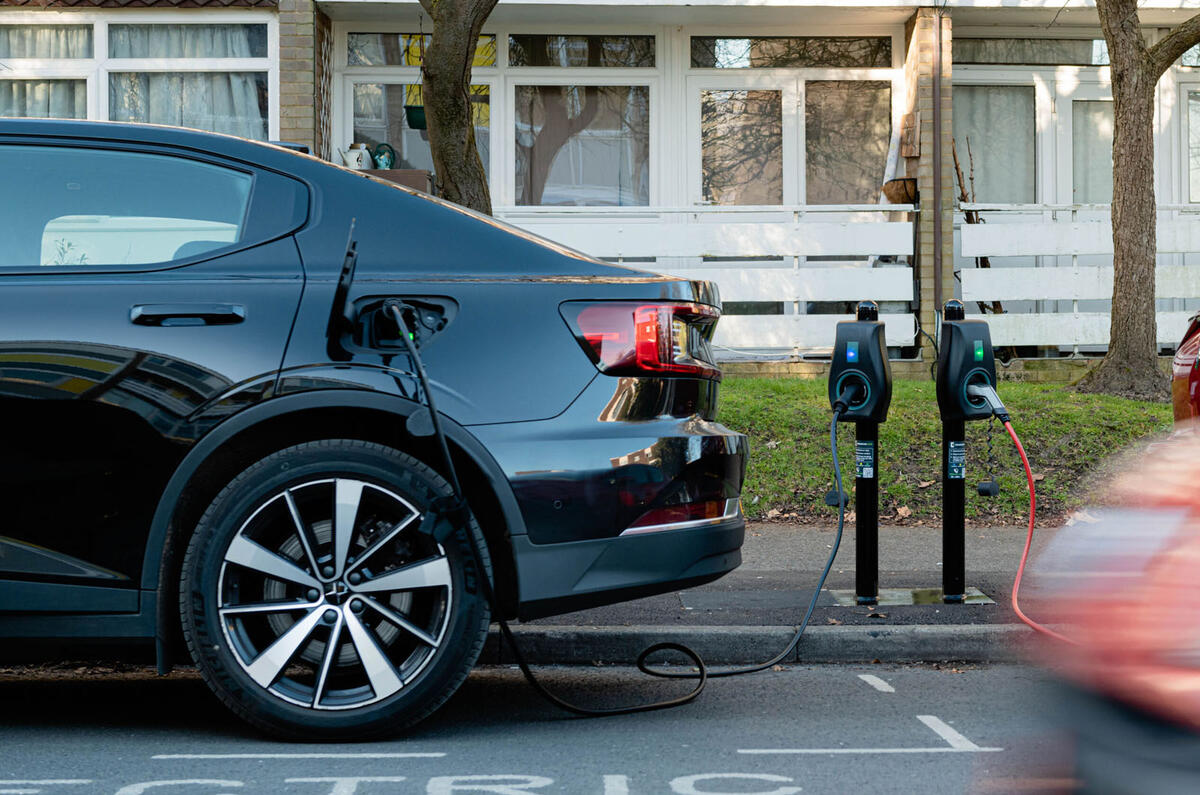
(341, 313)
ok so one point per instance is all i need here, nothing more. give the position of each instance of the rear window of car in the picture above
(77, 206)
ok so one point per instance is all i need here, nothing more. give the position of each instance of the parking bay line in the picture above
(957, 744)
(877, 683)
(430, 755)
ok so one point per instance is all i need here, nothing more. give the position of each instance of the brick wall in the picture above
(297, 72)
(921, 37)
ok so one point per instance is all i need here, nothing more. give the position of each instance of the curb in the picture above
(730, 645)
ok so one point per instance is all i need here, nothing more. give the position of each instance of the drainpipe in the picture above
(937, 170)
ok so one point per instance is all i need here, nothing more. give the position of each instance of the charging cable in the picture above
(397, 310)
(988, 393)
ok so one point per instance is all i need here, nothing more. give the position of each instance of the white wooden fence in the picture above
(1066, 233)
(727, 245)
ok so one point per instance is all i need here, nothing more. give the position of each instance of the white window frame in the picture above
(792, 81)
(95, 70)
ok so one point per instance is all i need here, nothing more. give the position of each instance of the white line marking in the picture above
(877, 683)
(941, 749)
(35, 782)
(300, 756)
(956, 740)
(19, 791)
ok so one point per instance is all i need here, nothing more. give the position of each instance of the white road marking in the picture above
(877, 683)
(301, 756)
(22, 786)
(956, 740)
(957, 744)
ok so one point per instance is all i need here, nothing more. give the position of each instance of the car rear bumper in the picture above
(561, 578)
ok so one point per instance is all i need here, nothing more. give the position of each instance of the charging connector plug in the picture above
(987, 393)
(852, 393)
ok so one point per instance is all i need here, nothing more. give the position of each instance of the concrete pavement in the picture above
(751, 613)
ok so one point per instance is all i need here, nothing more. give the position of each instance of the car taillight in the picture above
(627, 338)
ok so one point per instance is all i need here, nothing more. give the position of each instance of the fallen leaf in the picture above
(771, 444)
(776, 667)
(904, 512)
(773, 513)
(1038, 478)
(832, 621)
(877, 615)
(924, 484)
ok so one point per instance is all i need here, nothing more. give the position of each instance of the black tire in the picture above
(248, 587)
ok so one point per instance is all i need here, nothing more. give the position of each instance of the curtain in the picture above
(999, 123)
(187, 41)
(44, 99)
(224, 102)
(1091, 151)
(45, 41)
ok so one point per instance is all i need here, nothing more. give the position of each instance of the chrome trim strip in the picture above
(732, 510)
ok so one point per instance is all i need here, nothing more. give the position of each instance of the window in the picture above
(542, 50)
(582, 145)
(404, 49)
(1031, 52)
(994, 133)
(1193, 127)
(713, 52)
(847, 129)
(212, 76)
(1091, 151)
(741, 147)
(393, 113)
(115, 208)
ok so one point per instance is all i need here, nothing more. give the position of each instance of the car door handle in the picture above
(187, 314)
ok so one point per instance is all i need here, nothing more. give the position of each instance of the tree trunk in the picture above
(1130, 368)
(446, 80)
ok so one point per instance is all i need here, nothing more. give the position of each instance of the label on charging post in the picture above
(956, 461)
(864, 459)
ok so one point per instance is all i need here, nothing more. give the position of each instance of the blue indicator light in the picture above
(852, 351)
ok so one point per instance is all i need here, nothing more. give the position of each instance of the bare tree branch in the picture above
(1179, 40)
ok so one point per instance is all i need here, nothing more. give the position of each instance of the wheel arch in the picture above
(282, 422)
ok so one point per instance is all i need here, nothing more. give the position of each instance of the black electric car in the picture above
(204, 444)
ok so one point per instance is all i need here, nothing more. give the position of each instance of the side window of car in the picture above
(78, 206)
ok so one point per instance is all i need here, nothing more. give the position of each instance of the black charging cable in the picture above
(396, 309)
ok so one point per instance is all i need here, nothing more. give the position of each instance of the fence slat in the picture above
(655, 239)
(806, 284)
(1026, 239)
(801, 331)
(1033, 284)
(1084, 328)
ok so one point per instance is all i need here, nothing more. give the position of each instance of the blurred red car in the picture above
(1185, 374)
(1126, 591)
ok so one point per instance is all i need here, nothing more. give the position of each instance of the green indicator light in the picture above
(979, 350)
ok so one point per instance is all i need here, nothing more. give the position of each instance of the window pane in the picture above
(1051, 52)
(45, 41)
(713, 52)
(1194, 146)
(997, 123)
(404, 49)
(847, 129)
(187, 41)
(541, 50)
(1091, 152)
(102, 207)
(583, 145)
(42, 99)
(226, 102)
(741, 147)
(382, 114)
(1191, 57)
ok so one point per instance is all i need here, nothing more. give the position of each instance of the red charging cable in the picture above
(1028, 540)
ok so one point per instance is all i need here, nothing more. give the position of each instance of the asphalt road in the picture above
(819, 729)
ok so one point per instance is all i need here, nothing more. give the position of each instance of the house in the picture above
(741, 141)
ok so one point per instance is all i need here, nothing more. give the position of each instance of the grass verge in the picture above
(1067, 435)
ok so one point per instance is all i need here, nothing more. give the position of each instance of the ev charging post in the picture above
(965, 365)
(860, 390)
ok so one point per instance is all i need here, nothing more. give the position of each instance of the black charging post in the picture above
(860, 385)
(965, 359)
